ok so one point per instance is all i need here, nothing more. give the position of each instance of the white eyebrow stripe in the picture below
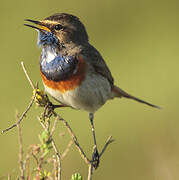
(49, 22)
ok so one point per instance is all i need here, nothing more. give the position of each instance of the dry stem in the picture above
(67, 149)
(58, 161)
(75, 140)
(22, 116)
(21, 163)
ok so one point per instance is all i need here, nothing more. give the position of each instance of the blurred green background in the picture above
(139, 39)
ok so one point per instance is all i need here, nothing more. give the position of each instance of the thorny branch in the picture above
(43, 101)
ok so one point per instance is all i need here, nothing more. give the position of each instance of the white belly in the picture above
(93, 92)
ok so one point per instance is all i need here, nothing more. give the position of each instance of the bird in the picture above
(73, 71)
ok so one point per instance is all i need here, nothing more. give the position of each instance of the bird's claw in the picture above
(41, 98)
(95, 158)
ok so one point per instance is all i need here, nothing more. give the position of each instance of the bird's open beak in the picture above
(40, 25)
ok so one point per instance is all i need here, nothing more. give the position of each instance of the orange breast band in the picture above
(72, 82)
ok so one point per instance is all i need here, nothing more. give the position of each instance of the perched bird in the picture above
(72, 70)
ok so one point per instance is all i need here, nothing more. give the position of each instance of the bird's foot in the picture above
(95, 158)
(41, 99)
(54, 106)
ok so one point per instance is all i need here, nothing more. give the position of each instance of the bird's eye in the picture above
(58, 27)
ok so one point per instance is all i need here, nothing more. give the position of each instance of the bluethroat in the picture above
(73, 71)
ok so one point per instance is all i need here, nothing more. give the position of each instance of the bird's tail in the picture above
(121, 93)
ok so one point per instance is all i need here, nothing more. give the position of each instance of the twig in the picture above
(54, 127)
(58, 160)
(9, 177)
(58, 175)
(90, 172)
(90, 167)
(30, 105)
(109, 141)
(44, 113)
(25, 71)
(75, 140)
(21, 163)
(42, 124)
(22, 116)
(67, 149)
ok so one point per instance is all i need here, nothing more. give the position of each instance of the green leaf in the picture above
(76, 176)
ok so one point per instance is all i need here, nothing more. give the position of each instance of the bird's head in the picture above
(60, 29)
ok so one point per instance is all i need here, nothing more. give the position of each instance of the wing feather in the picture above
(97, 62)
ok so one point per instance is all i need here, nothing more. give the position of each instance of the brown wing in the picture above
(98, 63)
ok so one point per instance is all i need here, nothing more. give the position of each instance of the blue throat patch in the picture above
(60, 68)
(47, 38)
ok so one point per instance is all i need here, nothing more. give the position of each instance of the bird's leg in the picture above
(51, 107)
(95, 155)
(54, 106)
(42, 100)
